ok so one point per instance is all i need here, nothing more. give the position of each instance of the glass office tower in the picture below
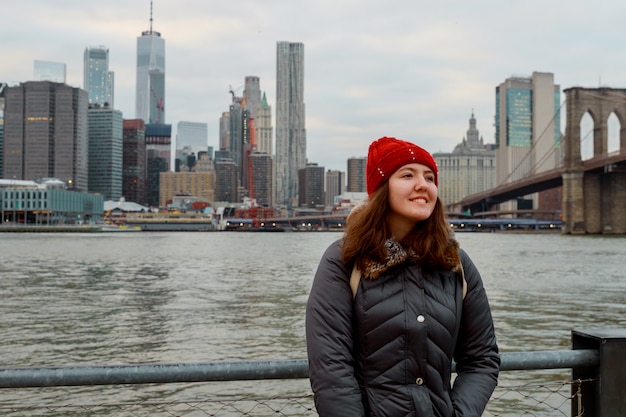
(192, 135)
(49, 71)
(105, 151)
(150, 94)
(97, 79)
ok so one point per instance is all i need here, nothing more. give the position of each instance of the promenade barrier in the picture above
(597, 360)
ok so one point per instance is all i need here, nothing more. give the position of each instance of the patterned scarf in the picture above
(396, 255)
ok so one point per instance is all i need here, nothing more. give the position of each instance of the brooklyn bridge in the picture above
(593, 190)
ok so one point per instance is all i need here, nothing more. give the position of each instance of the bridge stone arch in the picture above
(593, 202)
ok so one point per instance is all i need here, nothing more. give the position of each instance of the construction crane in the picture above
(159, 104)
(232, 92)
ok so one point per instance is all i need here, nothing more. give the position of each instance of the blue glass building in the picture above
(98, 81)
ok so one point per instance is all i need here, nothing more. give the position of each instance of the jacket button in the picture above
(419, 381)
(420, 318)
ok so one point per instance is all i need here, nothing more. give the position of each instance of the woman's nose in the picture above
(419, 183)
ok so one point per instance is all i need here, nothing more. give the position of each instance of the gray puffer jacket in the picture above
(389, 352)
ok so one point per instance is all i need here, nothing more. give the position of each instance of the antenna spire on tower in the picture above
(150, 16)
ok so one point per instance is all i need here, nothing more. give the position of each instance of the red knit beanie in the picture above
(387, 155)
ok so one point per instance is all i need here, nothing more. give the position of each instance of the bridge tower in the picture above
(594, 202)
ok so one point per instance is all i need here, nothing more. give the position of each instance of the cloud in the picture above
(407, 68)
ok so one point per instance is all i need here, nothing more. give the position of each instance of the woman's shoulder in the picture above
(465, 258)
(333, 251)
(333, 255)
(331, 264)
(470, 270)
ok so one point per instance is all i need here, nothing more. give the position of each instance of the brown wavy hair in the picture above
(367, 229)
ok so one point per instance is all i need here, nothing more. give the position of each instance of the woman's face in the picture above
(412, 197)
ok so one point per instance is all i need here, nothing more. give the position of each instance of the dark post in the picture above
(606, 395)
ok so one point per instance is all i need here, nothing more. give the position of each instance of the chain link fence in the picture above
(561, 399)
(223, 407)
(540, 399)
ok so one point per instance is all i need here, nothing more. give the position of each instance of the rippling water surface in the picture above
(119, 298)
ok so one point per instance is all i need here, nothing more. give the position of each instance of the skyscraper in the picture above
(527, 126)
(105, 151)
(192, 135)
(261, 164)
(2, 90)
(248, 119)
(238, 132)
(224, 132)
(158, 154)
(150, 95)
(49, 71)
(263, 124)
(260, 111)
(252, 94)
(335, 186)
(134, 161)
(311, 193)
(226, 180)
(290, 149)
(191, 140)
(357, 175)
(45, 133)
(98, 81)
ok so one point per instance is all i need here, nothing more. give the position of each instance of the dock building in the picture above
(46, 202)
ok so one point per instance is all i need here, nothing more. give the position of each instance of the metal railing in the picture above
(597, 387)
(242, 371)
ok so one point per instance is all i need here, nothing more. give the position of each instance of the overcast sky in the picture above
(405, 68)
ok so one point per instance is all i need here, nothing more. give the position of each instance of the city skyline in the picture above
(403, 69)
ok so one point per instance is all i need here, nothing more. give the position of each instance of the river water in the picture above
(121, 298)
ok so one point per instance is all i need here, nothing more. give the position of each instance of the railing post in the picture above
(606, 395)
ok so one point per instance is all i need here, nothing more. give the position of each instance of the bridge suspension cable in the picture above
(549, 154)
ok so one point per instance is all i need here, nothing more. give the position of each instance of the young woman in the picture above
(385, 346)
